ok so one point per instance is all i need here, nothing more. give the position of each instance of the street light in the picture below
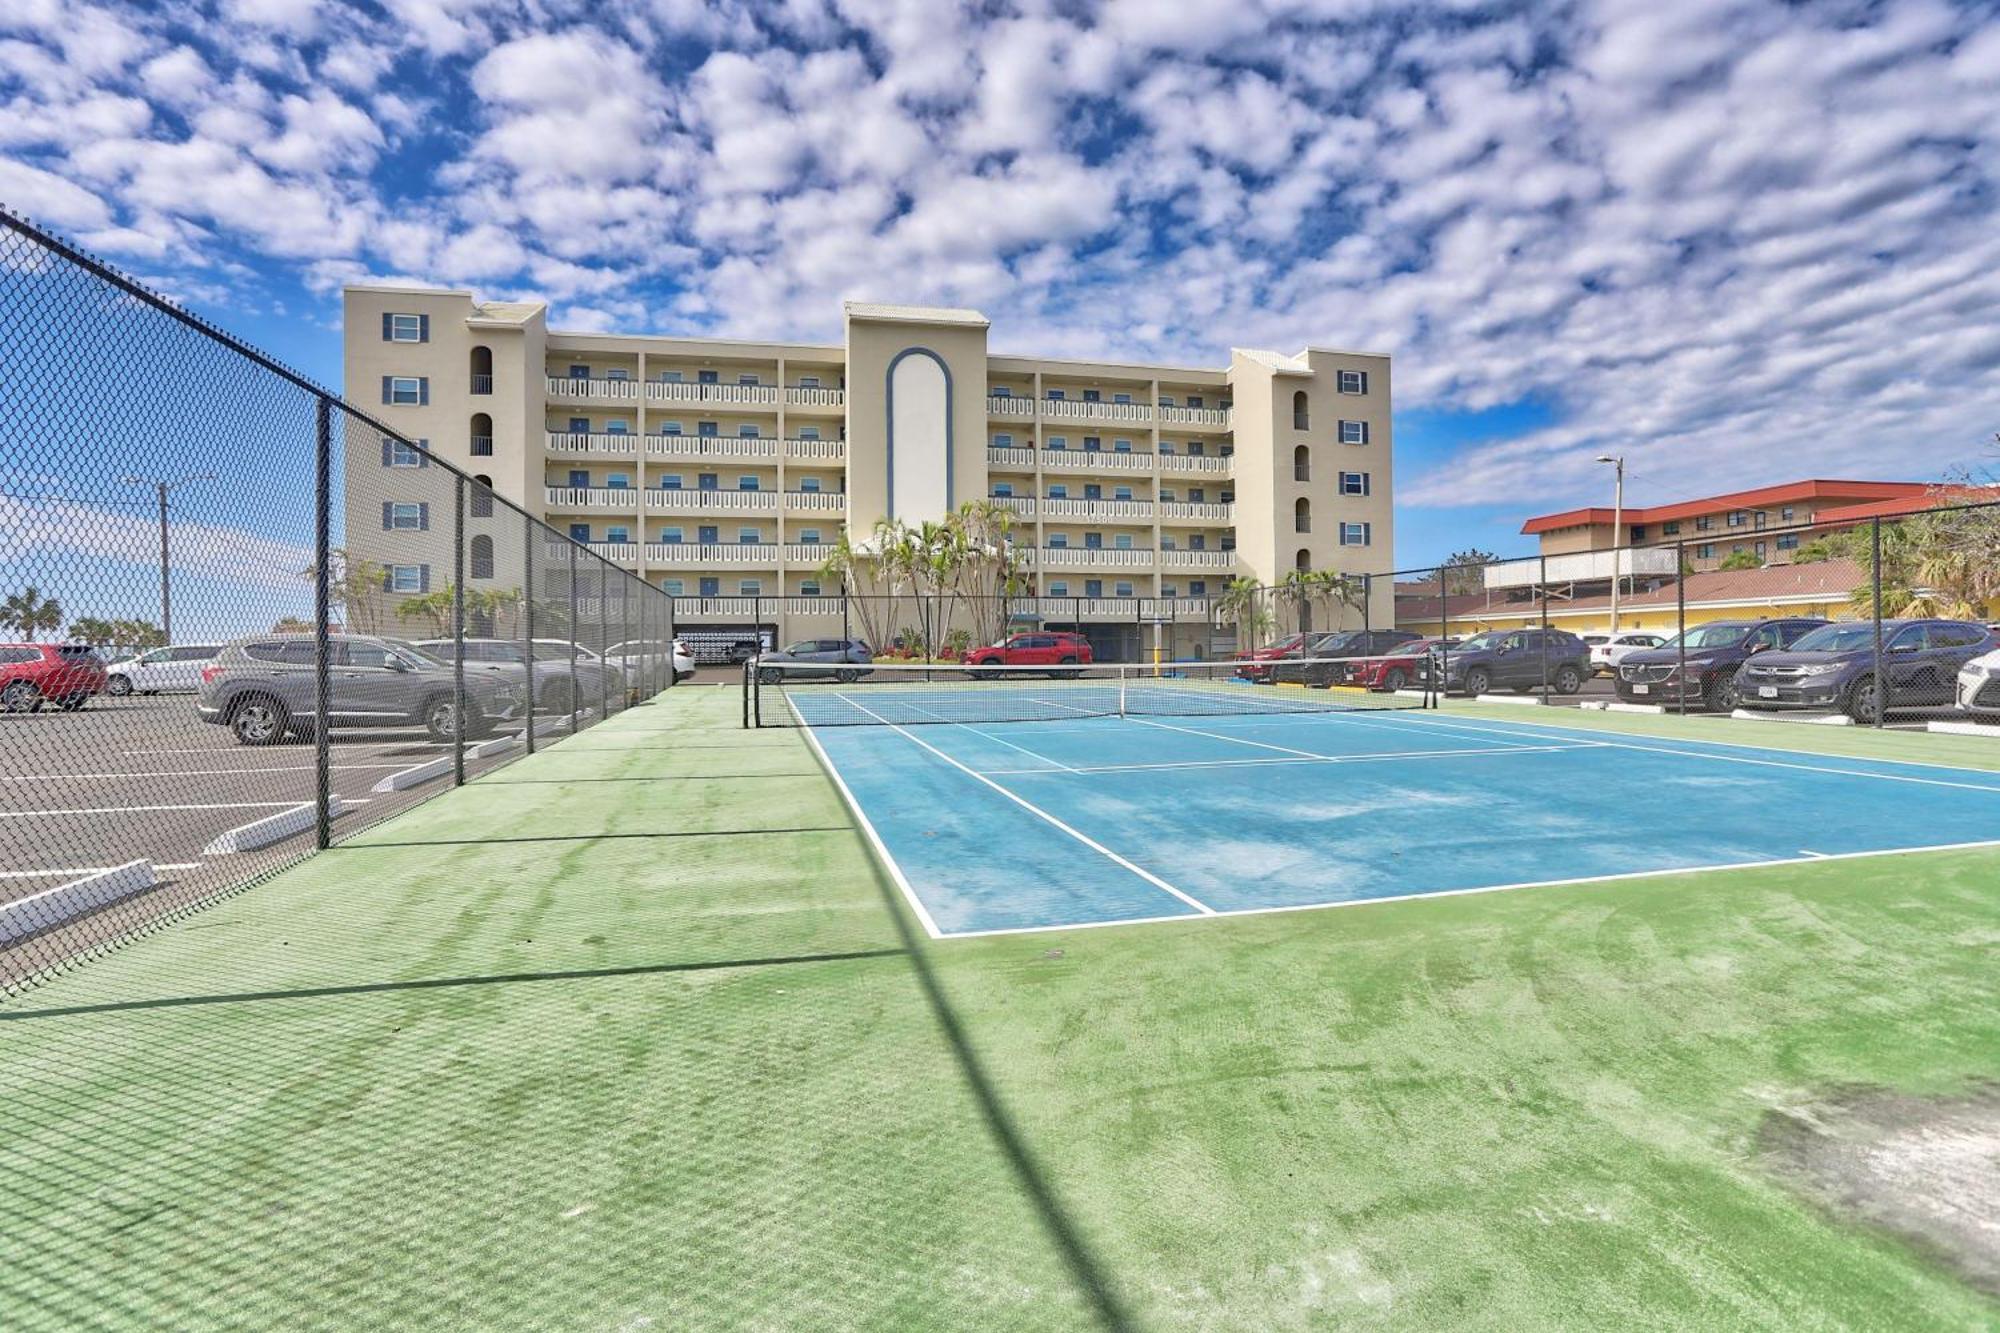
(1617, 529)
(162, 486)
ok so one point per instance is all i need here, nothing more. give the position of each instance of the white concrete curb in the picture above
(487, 749)
(1620, 706)
(1531, 700)
(427, 771)
(270, 829)
(66, 902)
(1828, 720)
(1986, 729)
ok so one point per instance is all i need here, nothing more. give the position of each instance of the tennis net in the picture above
(789, 694)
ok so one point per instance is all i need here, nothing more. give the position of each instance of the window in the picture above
(1093, 444)
(1121, 541)
(706, 535)
(999, 391)
(1121, 398)
(1301, 463)
(1167, 493)
(670, 428)
(749, 587)
(1763, 519)
(1301, 417)
(1168, 590)
(579, 532)
(400, 517)
(617, 375)
(1302, 518)
(1003, 490)
(1003, 441)
(1196, 448)
(808, 381)
(406, 328)
(1787, 514)
(670, 482)
(1167, 543)
(670, 377)
(670, 536)
(809, 485)
(1671, 528)
(1092, 491)
(1353, 381)
(746, 431)
(809, 537)
(747, 536)
(482, 496)
(672, 587)
(1704, 523)
(746, 483)
(709, 428)
(1198, 542)
(1059, 588)
(617, 426)
(1638, 532)
(579, 372)
(579, 480)
(1789, 542)
(1354, 483)
(1354, 534)
(1197, 494)
(1354, 432)
(579, 425)
(395, 453)
(1092, 396)
(709, 587)
(1760, 550)
(1121, 446)
(618, 533)
(406, 390)
(1737, 518)
(1704, 552)
(746, 378)
(406, 578)
(707, 481)
(1058, 541)
(1166, 400)
(809, 588)
(707, 377)
(1055, 395)
(1166, 448)
(1058, 442)
(808, 433)
(1121, 590)
(1121, 492)
(617, 481)
(1197, 587)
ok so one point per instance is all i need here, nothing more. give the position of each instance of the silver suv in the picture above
(560, 684)
(262, 689)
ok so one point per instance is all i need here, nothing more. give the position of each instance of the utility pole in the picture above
(1617, 529)
(162, 487)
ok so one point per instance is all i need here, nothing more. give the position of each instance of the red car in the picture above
(1039, 649)
(32, 674)
(1394, 670)
(1291, 647)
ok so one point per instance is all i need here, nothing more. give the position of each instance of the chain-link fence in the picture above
(1898, 598)
(241, 619)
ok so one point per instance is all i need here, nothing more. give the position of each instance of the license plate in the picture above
(1642, 689)
(1767, 691)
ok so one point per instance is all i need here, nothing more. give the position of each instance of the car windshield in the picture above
(803, 646)
(1837, 639)
(1483, 642)
(1328, 643)
(1711, 636)
(421, 656)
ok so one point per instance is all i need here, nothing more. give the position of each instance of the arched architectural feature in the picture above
(482, 435)
(1301, 418)
(480, 557)
(918, 468)
(482, 496)
(1303, 561)
(1302, 469)
(482, 369)
(1302, 515)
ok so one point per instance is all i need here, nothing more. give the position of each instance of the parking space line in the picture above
(127, 809)
(195, 772)
(89, 870)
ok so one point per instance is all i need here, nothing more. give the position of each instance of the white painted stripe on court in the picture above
(1042, 814)
(966, 726)
(889, 863)
(1388, 899)
(88, 870)
(1383, 757)
(126, 809)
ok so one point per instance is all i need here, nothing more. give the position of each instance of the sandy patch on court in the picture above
(1926, 1169)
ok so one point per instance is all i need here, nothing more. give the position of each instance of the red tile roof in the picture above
(1790, 492)
(1820, 580)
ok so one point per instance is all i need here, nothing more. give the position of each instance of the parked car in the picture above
(656, 658)
(31, 674)
(1834, 667)
(825, 659)
(1395, 669)
(1979, 685)
(1714, 652)
(1033, 650)
(1608, 650)
(262, 689)
(1514, 659)
(175, 669)
(1328, 656)
(1256, 661)
(508, 659)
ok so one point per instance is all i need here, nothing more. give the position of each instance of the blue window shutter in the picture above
(423, 328)
(424, 516)
(423, 453)
(388, 326)
(387, 446)
(389, 580)
(424, 391)
(388, 516)
(423, 578)
(387, 392)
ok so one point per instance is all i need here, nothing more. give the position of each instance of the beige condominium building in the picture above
(723, 471)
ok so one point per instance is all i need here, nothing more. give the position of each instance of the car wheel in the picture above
(118, 686)
(1394, 679)
(769, 675)
(1065, 675)
(1864, 701)
(1720, 693)
(258, 720)
(74, 702)
(1477, 682)
(558, 696)
(847, 677)
(20, 696)
(1569, 679)
(441, 718)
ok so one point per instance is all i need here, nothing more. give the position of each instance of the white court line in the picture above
(1817, 856)
(196, 772)
(1812, 859)
(1042, 814)
(1383, 757)
(975, 731)
(88, 870)
(125, 809)
(868, 829)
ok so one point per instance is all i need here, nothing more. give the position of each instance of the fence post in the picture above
(458, 629)
(528, 633)
(1875, 583)
(1680, 623)
(322, 609)
(1443, 660)
(1368, 604)
(575, 703)
(603, 641)
(1543, 587)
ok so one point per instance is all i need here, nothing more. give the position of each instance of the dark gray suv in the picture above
(262, 689)
(1514, 659)
(1833, 667)
(1712, 653)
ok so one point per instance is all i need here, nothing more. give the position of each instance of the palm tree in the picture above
(1240, 603)
(31, 613)
(95, 630)
(1299, 589)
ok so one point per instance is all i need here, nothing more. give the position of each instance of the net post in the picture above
(458, 629)
(528, 630)
(1121, 693)
(322, 609)
(1544, 602)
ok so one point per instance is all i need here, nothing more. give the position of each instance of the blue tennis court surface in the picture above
(1094, 820)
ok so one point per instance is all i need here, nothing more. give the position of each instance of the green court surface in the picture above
(632, 1033)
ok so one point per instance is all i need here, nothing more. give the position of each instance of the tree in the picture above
(1741, 560)
(29, 613)
(1299, 590)
(1242, 602)
(437, 607)
(354, 586)
(95, 630)
(1938, 562)
(1463, 573)
(292, 625)
(138, 634)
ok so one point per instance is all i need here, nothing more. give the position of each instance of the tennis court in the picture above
(1015, 804)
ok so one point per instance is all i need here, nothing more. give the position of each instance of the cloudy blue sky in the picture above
(1738, 241)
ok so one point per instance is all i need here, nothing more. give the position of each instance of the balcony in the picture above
(623, 499)
(710, 446)
(1074, 410)
(1091, 557)
(1584, 567)
(1194, 463)
(1021, 505)
(1114, 608)
(818, 501)
(810, 397)
(1094, 460)
(623, 554)
(580, 390)
(810, 554)
(732, 395)
(1063, 507)
(710, 502)
(1197, 559)
(1011, 458)
(816, 451)
(1009, 408)
(1197, 511)
(482, 384)
(1210, 418)
(704, 555)
(595, 446)
(1070, 409)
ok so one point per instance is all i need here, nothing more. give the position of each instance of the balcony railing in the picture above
(1197, 511)
(710, 446)
(1193, 463)
(800, 396)
(1064, 507)
(735, 395)
(1094, 460)
(835, 501)
(1023, 505)
(1197, 559)
(605, 446)
(688, 610)
(624, 498)
(1016, 457)
(1051, 607)
(812, 554)
(698, 555)
(816, 450)
(481, 445)
(1020, 408)
(1092, 557)
(618, 553)
(1071, 409)
(1195, 416)
(482, 384)
(579, 389)
(704, 502)
(1009, 408)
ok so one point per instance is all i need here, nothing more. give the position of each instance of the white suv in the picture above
(1979, 686)
(176, 670)
(1608, 650)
